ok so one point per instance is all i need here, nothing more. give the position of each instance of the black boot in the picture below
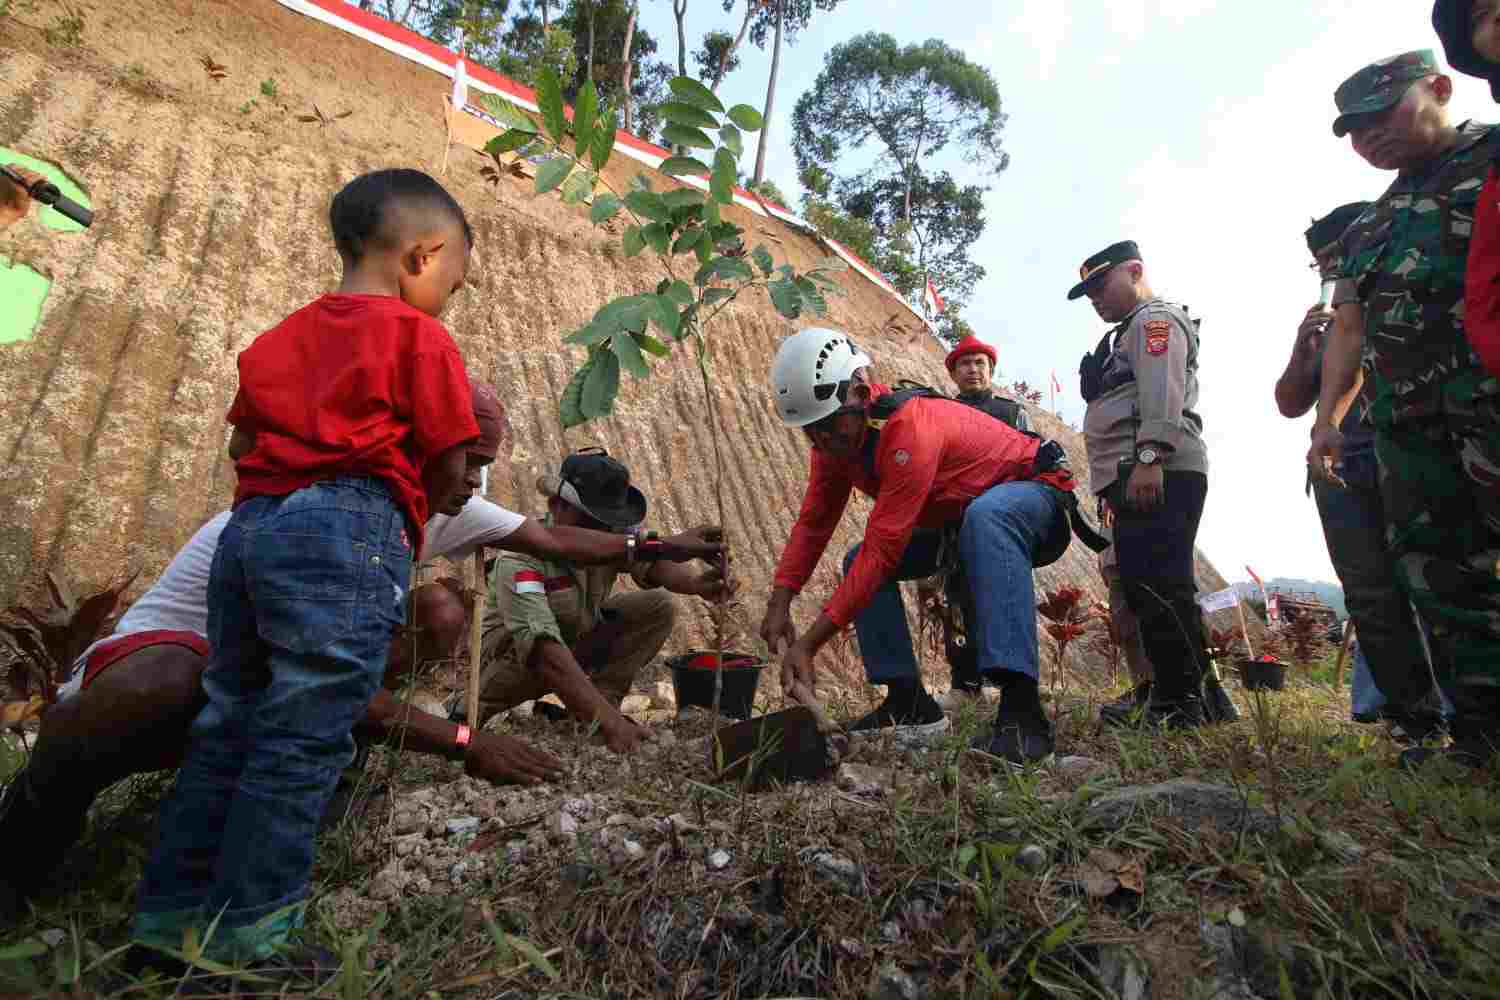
(1120, 711)
(1475, 728)
(35, 834)
(1021, 733)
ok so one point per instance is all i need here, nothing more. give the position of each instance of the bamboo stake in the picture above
(1239, 606)
(1338, 666)
(448, 110)
(476, 636)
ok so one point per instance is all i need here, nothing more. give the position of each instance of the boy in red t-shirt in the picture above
(350, 424)
(1470, 32)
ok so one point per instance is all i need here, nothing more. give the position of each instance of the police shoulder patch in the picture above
(1158, 335)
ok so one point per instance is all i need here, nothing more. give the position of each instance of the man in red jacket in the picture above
(927, 461)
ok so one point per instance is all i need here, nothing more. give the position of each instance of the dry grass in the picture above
(1400, 904)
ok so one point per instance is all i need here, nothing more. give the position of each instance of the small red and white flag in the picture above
(1257, 580)
(460, 86)
(931, 300)
(1056, 386)
(528, 581)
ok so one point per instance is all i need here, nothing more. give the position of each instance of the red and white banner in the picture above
(1056, 385)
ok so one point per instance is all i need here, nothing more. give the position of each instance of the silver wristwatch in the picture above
(1147, 455)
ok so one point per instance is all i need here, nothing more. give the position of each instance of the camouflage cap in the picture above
(1380, 85)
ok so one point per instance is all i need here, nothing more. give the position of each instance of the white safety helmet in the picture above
(810, 369)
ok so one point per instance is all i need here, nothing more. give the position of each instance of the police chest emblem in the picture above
(901, 457)
(1158, 335)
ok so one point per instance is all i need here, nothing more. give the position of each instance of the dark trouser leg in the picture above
(132, 719)
(963, 659)
(884, 636)
(1155, 552)
(1354, 527)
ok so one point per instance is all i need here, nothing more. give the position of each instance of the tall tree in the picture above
(914, 100)
(679, 11)
(778, 21)
(714, 60)
(627, 63)
(727, 61)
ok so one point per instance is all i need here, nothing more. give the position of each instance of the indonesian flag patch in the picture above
(528, 581)
(1158, 335)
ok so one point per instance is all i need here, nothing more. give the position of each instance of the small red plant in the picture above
(1067, 618)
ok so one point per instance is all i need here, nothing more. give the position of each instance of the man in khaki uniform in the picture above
(555, 627)
(1148, 465)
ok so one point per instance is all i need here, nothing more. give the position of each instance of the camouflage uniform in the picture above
(1436, 413)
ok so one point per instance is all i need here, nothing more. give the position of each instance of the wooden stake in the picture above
(1338, 665)
(448, 111)
(1239, 606)
(476, 636)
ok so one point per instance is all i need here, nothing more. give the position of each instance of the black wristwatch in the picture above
(1147, 455)
(644, 547)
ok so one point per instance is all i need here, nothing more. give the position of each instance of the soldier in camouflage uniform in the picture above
(1399, 312)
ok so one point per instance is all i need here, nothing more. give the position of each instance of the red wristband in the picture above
(461, 738)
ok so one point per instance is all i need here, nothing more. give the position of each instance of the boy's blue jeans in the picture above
(305, 593)
(1001, 530)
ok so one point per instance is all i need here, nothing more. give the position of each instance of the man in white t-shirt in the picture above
(132, 696)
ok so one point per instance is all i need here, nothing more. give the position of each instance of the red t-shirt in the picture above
(351, 385)
(1482, 277)
(934, 456)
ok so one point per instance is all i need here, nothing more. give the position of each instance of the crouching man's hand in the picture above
(505, 760)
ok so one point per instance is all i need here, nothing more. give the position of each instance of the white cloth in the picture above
(178, 600)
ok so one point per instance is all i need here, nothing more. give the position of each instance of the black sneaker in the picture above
(1184, 713)
(1474, 745)
(1218, 707)
(1120, 711)
(918, 724)
(1021, 736)
(1413, 725)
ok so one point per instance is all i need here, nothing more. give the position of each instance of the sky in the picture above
(1201, 129)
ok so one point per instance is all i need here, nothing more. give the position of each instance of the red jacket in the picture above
(1482, 278)
(934, 456)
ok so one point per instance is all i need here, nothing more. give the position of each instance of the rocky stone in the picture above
(1194, 803)
(680, 823)
(893, 983)
(619, 819)
(581, 809)
(1031, 858)
(461, 824)
(633, 850)
(634, 704)
(891, 931)
(864, 780)
(516, 853)
(719, 860)
(1124, 972)
(1076, 766)
(561, 826)
(405, 845)
(1251, 960)
(408, 822)
(458, 871)
(835, 868)
(388, 882)
(1341, 845)
(430, 704)
(666, 693)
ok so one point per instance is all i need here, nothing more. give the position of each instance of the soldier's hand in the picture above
(1326, 451)
(1145, 491)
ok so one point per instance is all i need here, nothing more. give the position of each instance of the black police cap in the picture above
(1097, 266)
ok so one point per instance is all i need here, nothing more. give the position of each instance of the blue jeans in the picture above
(1365, 697)
(1001, 531)
(304, 596)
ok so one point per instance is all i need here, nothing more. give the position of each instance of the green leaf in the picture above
(508, 141)
(704, 250)
(633, 242)
(746, 117)
(763, 260)
(605, 207)
(579, 185)
(628, 312)
(640, 181)
(585, 112)
(786, 298)
(685, 88)
(682, 197)
(629, 353)
(533, 956)
(812, 296)
(682, 113)
(665, 316)
(589, 335)
(550, 100)
(683, 135)
(679, 292)
(719, 294)
(687, 241)
(648, 205)
(511, 115)
(552, 173)
(688, 322)
(966, 854)
(570, 409)
(658, 236)
(604, 138)
(728, 268)
(726, 169)
(711, 214)
(653, 346)
(602, 385)
(26, 948)
(684, 166)
(729, 138)
(1059, 934)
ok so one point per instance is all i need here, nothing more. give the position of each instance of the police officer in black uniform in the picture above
(1148, 464)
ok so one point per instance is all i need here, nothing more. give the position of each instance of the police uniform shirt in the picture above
(1150, 394)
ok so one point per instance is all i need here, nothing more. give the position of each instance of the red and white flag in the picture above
(931, 300)
(1257, 579)
(1056, 387)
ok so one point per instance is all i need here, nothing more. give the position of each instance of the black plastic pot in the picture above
(1262, 675)
(693, 681)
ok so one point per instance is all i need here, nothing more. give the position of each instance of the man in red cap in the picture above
(127, 708)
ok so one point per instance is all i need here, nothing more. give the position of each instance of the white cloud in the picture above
(1044, 26)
